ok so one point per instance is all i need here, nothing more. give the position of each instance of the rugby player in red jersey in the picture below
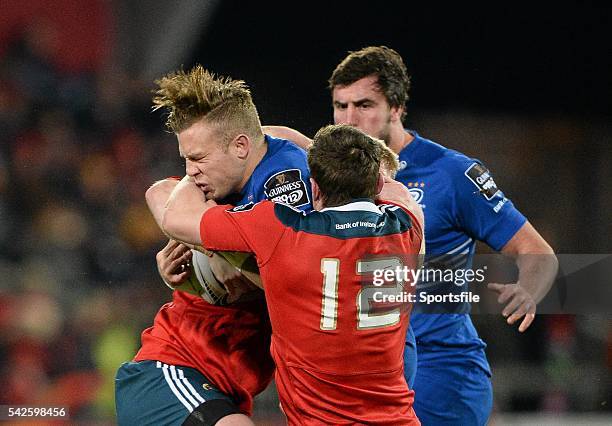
(338, 339)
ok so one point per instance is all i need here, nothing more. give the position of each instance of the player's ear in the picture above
(318, 201)
(316, 191)
(380, 183)
(241, 145)
(396, 113)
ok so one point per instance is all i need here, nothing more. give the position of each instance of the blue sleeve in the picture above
(481, 207)
(290, 184)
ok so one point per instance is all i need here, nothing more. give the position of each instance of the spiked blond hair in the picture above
(199, 94)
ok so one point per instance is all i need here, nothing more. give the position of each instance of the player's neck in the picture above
(399, 138)
(255, 156)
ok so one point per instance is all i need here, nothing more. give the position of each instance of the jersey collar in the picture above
(363, 204)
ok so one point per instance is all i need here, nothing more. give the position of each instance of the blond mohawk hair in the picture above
(196, 94)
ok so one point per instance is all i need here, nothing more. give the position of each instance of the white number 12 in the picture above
(365, 319)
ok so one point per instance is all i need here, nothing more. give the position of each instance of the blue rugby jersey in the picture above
(181, 334)
(282, 175)
(461, 204)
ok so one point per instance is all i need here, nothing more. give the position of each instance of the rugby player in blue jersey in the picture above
(207, 354)
(462, 204)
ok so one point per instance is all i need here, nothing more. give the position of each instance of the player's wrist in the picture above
(170, 286)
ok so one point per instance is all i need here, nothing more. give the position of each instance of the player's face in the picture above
(215, 169)
(364, 106)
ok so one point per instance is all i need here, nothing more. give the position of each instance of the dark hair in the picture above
(345, 163)
(381, 61)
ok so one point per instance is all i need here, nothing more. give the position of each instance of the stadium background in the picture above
(527, 90)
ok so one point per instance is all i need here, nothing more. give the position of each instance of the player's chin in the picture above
(208, 193)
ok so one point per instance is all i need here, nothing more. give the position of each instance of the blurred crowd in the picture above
(77, 243)
(78, 280)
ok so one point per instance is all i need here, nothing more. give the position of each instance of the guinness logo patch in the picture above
(481, 177)
(287, 187)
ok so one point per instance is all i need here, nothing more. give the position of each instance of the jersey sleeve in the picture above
(248, 228)
(414, 221)
(482, 208)
(290, 186)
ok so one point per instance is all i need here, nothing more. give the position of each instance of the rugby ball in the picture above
(203, 283)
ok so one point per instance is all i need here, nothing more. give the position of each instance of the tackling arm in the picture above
(183, 212)
(157, 196)
(178, 209)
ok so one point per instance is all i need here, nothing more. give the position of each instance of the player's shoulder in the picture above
(452, 163)
(283, 150)
(465, 175)
(396, 213)
(289, 185)
(282, 175)
(288, 214)
(282, 155)
(441, 154)
(468, 174)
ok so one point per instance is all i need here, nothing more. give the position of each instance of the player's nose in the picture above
(190, 168)
(351, 117)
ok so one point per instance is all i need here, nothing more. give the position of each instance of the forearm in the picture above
(183, 212)
(535, 260)
(537, 272)
(157, 196)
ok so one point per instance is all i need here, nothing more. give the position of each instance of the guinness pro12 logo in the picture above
(287, 187)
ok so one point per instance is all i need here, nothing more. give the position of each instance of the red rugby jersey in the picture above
(338, 352)
(230, 344)
(227, 344)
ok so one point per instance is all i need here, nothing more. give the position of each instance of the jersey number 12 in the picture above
(365, 318)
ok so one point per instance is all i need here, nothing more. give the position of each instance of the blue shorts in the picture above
(151, 392)
(452, 395)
